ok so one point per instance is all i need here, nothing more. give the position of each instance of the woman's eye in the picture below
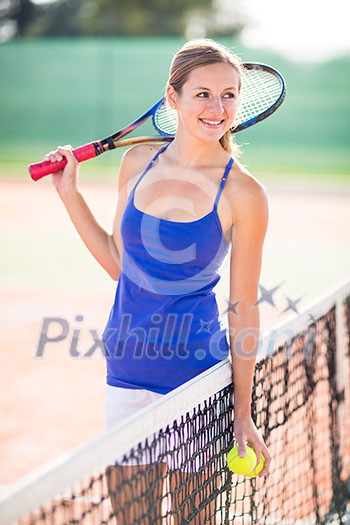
(205, 94)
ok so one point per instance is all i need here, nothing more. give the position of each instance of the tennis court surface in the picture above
(167, 464)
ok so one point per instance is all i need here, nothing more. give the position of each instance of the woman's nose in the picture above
(215, 105)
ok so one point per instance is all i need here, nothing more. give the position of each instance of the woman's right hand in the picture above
(66, 179)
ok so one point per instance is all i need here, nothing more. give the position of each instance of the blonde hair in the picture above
(198, 53)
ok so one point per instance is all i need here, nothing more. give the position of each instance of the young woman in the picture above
(180, 208)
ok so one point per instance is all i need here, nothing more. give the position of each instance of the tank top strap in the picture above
(223, 180)
(150, 164)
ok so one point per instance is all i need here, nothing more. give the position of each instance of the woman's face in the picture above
(208, 101)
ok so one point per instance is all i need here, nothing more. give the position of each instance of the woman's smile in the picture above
(212, 123)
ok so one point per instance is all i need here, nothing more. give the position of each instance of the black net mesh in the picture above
(179, 475)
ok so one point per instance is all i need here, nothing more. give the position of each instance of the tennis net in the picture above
(167, 464)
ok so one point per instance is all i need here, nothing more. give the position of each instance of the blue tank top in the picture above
(164, 325)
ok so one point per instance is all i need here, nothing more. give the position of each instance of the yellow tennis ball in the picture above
(240, 465)
(253, 473)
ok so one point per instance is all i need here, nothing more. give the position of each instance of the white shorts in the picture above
(121, 403)
(190, 455)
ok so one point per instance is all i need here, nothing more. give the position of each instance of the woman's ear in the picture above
(171, 96)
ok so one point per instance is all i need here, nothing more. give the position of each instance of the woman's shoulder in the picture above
(246, 192)
(134, 161)
(137, 157)
(244, 183)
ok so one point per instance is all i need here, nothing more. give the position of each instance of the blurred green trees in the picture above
(72, 18)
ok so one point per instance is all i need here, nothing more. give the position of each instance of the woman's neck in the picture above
(190, 152)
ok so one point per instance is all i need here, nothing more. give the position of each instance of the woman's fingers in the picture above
(267, 456)
(53, 156)
(241, 446)
(58, 154)
(260, 449)
(69, 172)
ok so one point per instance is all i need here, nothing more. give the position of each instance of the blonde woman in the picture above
(181, 207)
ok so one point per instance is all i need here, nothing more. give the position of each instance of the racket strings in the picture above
(260, 91)
(165, 120)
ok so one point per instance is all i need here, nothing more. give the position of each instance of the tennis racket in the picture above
(263, 91)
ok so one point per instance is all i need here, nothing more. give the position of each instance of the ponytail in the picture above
(226, 141)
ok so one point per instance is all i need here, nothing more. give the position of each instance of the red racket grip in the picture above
(41, 169)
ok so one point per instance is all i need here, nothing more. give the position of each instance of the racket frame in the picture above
(96, 148)
(271, 109)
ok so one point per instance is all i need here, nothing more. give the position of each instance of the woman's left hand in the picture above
(246, 432)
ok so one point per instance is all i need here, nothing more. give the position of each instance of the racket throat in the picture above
(103, 145)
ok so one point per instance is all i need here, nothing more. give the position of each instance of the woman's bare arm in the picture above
(248, 234)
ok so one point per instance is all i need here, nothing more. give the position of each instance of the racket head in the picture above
(263, 91)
